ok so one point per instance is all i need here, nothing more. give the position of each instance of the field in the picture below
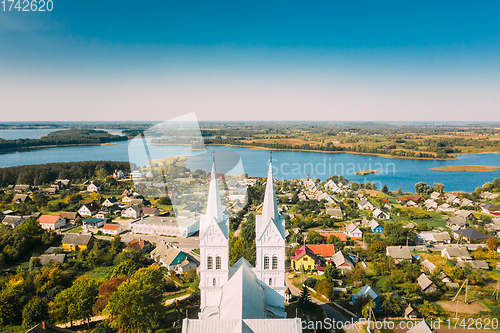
(472, 168)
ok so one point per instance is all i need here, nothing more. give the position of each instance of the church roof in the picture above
(242, 295)
(270, 213)
(242, 326)
(214, 212)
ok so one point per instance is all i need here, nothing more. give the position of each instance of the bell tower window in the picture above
(217, 263)
(275, 262)
(266, 262)
(210, 263)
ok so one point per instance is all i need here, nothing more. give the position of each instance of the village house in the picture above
(433, 238)
(335, 212)
(353, 231)
(470, 234)
(456, 220)
(416, 198)
(304, 257)
(425, 284)
(69, 216)
(398, 253)
(151, 211)
(51, 222)
(13, 221)
(112, 229)
(466, 214)
(430, 204)
(132, 211)
(93, 187)
(342, 261)
(490, 208)
(379, 214)
(365, 205)
(74, 242)
(21, 198)
(325, 251)
(459, 253)
(89, 209)
(171, 257)
(368, 292)
(436, 195)
(93, 222)
(445, 208)
(375, 227)
(476, 264)
(139, 245)
(111, 201)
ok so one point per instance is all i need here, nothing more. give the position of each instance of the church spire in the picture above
(270, 206)
(214, 207)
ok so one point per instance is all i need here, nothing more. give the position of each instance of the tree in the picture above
(438, 187)
(34, 312)
(422, 188)
(105, 291)
(397, 235)
(332, 273)
(137, 305)
(400, 190)
(385, 189)
(304, 299)
(492, 243)
(101, 173)
(125, 268)
(313, 237)
(76, 302)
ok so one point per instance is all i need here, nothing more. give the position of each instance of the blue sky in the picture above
(252, 60)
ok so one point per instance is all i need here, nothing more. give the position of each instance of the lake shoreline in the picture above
(343, 152)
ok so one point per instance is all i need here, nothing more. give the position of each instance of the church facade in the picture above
(242, 298)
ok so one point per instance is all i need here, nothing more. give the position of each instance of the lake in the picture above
(393, 172)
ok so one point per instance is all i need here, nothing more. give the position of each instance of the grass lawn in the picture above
(75, 230)
(196, 251)
(100, 272)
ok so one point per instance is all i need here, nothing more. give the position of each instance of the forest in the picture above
(62, 138)
(41, 174)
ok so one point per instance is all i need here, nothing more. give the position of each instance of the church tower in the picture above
(214, 249)
(270, 244)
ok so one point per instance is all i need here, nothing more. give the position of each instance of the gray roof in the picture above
(471, 233)
(428, 265)
(363, 202)
(339, 258)
(424, 282)
(399, 252)
(165, 253)
(77, 239)
(166, 221)
(477, 264)
(12, 220)
(46, 258)
(458, 252)
(458, 220)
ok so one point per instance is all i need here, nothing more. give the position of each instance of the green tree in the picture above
(76, 302)
(332, 273)
(385, 189)
(492, 243)
(137, 305)
(313, 237)
(34, 312)
(304, 301)
(125, 268)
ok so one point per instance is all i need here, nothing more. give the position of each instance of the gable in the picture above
(271, 234)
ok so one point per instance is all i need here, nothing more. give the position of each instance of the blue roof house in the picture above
(369, 292)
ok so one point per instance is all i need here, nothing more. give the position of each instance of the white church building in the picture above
(242, 298)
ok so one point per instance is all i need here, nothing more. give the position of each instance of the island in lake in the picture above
(365, 172)
(472, 168)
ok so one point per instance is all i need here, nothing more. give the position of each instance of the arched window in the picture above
(214, 281)
(275, 262)
(210, 263)
(266, 262)
(217, 263)
(270, 281)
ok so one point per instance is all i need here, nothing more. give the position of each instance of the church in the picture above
(242, 298)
